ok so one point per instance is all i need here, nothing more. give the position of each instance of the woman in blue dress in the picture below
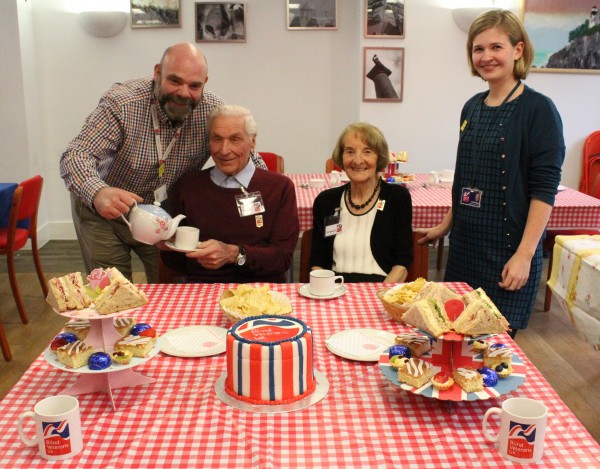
(508, 168)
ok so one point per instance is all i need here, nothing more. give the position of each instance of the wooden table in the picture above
(363, 421)
(575, 279)
(573, 209)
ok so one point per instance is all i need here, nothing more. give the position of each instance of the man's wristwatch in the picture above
(241, 258)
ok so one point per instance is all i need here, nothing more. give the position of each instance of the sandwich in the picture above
(67, 292)
(437, 291)
(119, 296)
(478, 318)
(429, 316)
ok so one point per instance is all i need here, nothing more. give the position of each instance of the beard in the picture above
(172, 105)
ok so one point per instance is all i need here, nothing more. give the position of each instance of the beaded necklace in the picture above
(361, 206)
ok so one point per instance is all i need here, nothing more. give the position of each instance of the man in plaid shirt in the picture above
(144, 134)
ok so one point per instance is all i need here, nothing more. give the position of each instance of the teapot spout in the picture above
(173, 224)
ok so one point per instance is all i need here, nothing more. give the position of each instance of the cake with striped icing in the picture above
(269, 360)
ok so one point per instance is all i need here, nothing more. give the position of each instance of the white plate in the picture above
(364, 345)
(561, 188)
(194, 341)
(92, 313)
(172, 247)
(304, 290)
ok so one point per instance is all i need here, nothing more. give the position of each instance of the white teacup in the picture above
(316, 183)
(186, 237)
(323, 282)
(434, 178)
(335, 178)
(522, 429)
(57, 427)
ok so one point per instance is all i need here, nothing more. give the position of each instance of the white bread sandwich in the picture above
(67, 292)
(437, 291)
(478, 318)
(119, 296)
(429, 316)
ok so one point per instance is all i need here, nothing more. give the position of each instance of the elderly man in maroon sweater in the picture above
(247, 216)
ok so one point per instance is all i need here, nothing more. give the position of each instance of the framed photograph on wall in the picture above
(155, 14)
(383, 74)
(565, 35)
(220, 22)
(384, 18)
(314, 14)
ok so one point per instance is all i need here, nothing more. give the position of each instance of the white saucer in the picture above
(363, 345)
(304, 290)
(172, 247)
(194, 341)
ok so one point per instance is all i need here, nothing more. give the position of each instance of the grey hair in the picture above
(235, 110)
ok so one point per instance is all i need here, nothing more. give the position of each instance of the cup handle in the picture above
(338, 277)
(23, 416)
(488, 435)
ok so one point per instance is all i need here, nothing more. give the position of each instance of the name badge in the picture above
(333, 226)
(471, 197)
(249, 204)
(160, 194)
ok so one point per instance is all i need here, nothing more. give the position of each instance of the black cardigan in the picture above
(391, 235)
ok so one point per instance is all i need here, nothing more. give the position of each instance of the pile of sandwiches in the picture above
(480, 316)
(69, 293)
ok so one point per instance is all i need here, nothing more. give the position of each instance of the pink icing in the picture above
(98, 279)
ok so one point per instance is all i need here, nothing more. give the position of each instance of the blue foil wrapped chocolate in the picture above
(490, 377)
(400, 350)
(68, 336)
(99, 361)
(135, 330)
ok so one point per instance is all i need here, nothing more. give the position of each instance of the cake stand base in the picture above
(320, 392)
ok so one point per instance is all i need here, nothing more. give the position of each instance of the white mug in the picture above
(522, 429)
(323, 282)
(317, 183)
(335, 177)
(57, 427)
(434, 178)
(186, 237)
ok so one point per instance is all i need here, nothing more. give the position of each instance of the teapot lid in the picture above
(155, 209)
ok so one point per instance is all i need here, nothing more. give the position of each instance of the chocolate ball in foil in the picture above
(99, 361)
(135, 330)
(401, 350)
(490, 377)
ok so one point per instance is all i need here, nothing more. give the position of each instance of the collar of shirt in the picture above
(233, 182)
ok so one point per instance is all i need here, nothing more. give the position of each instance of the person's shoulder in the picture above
(272, 177)
(211, 99)
(128, 91)
(331, 193)
(531, 95)
(394, 190)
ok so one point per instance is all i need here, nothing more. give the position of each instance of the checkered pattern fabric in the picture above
(363, 421)
(572, 209)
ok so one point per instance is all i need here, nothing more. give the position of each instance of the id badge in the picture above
(333, 226)
(471, 197)
(249, 204)
(160, 194)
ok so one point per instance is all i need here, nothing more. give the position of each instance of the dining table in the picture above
(362, 420)
(430, 202)
(574, 280)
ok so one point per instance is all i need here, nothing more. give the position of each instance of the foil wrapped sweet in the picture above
(135, 330)
(490, 377)
(400, 350)
(99, 361)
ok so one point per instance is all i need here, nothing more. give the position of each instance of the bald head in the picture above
(179, 80)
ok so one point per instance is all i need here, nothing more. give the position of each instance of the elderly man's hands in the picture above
(213, 254)
(111, 202)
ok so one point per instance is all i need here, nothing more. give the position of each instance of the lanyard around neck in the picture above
(162, 157)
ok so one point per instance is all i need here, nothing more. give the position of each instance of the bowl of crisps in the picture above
(397, 300)
(246, 300)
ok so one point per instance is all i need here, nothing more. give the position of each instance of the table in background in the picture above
(575, 279)
(572, 209)
(362, 422)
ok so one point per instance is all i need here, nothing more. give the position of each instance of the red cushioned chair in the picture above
(590, 163)
(273, 161)
(331, 166)
(24, 208)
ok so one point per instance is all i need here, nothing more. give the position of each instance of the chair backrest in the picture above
(331, 166)
(590, 160)
(273, 161)
(30, 202)
(418, 268)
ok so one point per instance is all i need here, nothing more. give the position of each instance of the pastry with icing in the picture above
(468, 379)
(418, 344)
(415, 372)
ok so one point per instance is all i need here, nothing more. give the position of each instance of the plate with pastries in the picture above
(107, 294)
(485, 369)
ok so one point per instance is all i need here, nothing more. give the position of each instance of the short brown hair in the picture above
(508, 23)
(372, 137)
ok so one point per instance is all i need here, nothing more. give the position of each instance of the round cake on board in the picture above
(269, 360)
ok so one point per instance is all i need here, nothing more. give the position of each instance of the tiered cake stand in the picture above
(455, 350)
(102, 337)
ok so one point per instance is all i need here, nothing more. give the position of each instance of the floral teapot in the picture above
(150, 224)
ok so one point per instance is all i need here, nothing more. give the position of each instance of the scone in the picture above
(498, 357)
(415, 372)
(468, 379)
(417, 343)
(74, 355)
(139, 346)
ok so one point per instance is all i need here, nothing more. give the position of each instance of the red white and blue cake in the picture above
(270, 360)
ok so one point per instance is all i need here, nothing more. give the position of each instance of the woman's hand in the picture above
(516, 272)
(437, 232)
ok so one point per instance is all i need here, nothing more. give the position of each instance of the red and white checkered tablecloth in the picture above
(362, 422)
(573, 209)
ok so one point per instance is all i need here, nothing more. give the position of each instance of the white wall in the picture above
(303, 86)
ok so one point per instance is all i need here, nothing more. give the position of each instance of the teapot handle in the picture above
(125, 219)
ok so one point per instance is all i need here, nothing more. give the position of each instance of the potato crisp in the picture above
(405, 293)
(246, 300)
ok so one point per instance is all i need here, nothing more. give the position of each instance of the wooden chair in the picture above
(418, 268)
(24, 209)
(331, 166)
(273, 161)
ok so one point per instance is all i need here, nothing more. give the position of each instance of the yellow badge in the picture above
(259, 221)
(464, 124)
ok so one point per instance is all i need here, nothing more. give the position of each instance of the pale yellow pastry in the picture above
(139, 346)
(499, 358)
(415, 372)
(468, 378)
(79, 327)
(74, 355)
(417, 343)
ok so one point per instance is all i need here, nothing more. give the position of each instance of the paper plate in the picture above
(194, 341)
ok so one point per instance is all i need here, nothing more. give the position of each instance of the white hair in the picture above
(235, 110)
